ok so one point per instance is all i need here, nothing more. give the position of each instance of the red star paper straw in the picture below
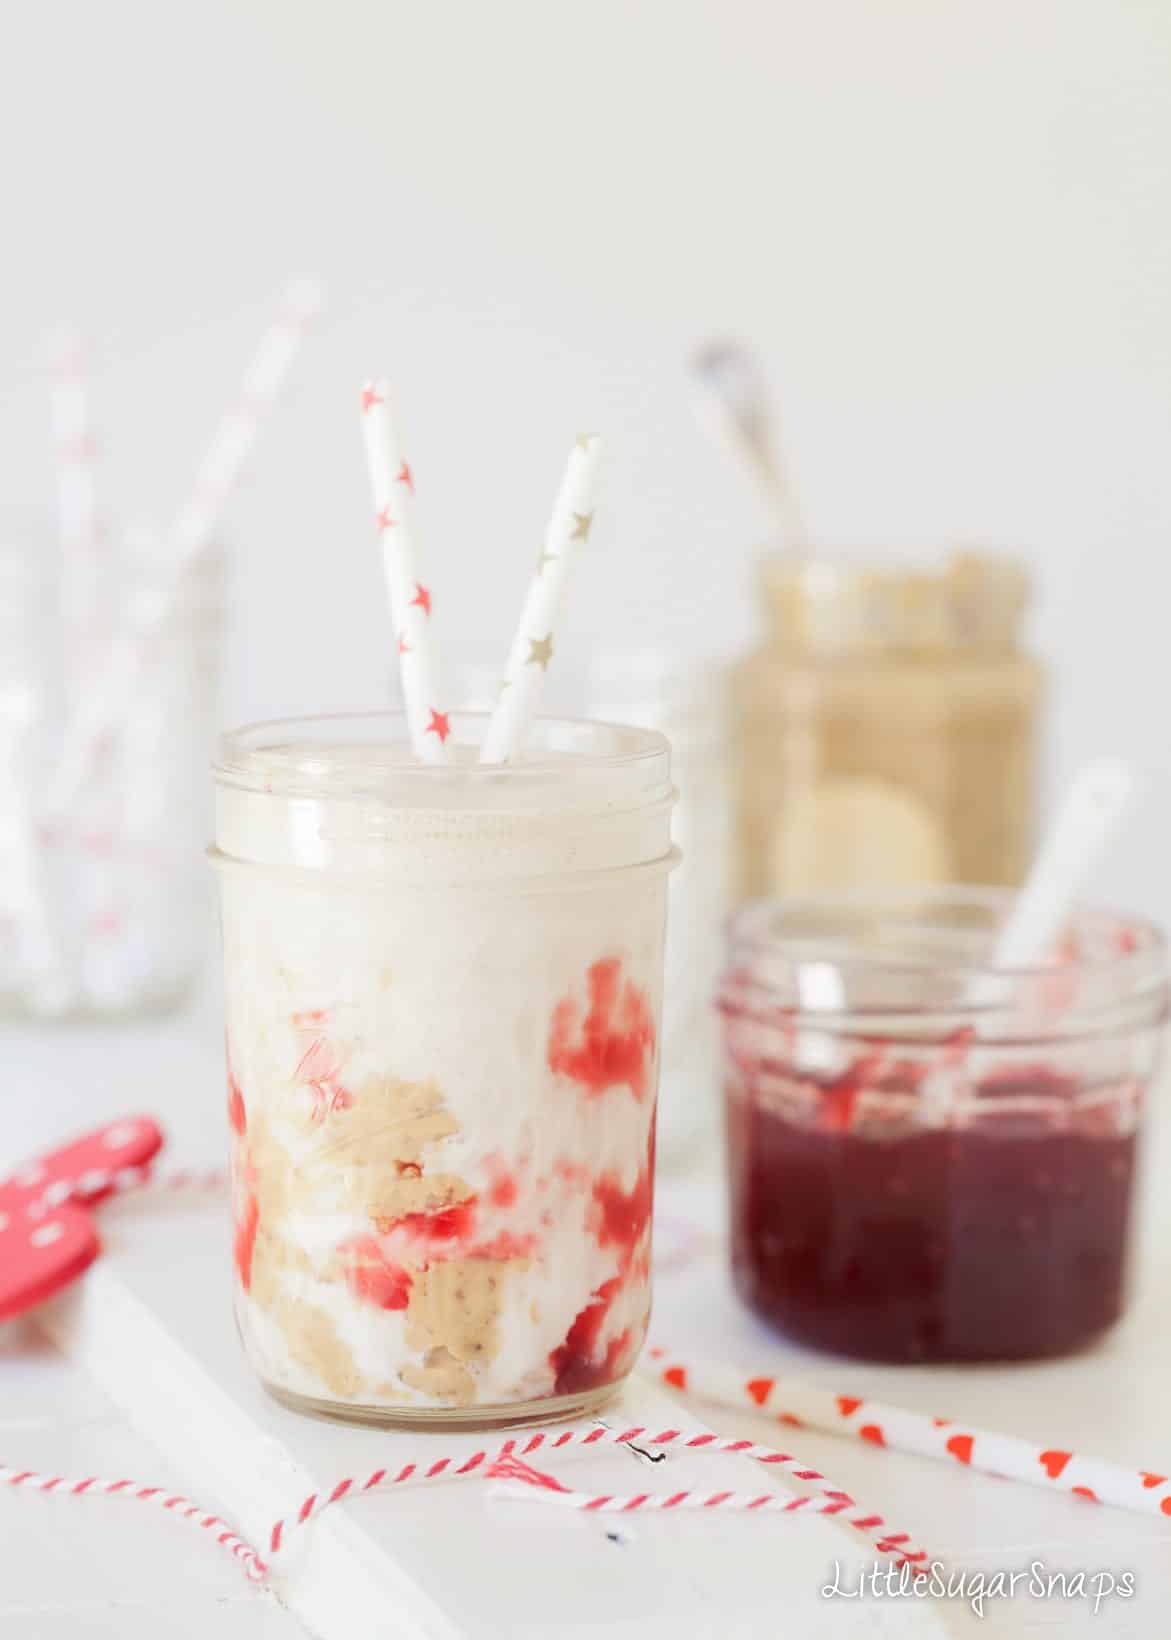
(393, 486)
(796, 1403)
(108, 696)
(533, 645)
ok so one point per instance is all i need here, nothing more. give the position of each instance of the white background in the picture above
(946, 224)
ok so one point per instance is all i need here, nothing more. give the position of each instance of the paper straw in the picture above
(533, 645)
(236, 434)
(108, 698)
(797, 1403)
(75, 456)
(393, 487)
(101, 709)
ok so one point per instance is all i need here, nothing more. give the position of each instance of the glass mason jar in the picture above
(134, 851)
(31, 962)
(444, 990)
(931, 1159)
(885, 732)
(101, 906)
(683, 696)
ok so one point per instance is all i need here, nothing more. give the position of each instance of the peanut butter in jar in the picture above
(886, 729)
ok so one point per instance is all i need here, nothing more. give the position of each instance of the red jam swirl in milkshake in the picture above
(442, 1044)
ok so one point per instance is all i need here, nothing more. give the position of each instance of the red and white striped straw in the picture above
(110, 693)
(797, 1404)
(410, 597)
(520, 1447)
(778, 1501)
(236, 434)
(173, 1502)
(76, 457)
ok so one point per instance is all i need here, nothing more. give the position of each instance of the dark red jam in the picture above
(997, 1236)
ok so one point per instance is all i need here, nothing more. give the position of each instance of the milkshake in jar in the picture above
(443, 991)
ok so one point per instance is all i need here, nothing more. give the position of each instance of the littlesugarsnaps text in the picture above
(881, 1580)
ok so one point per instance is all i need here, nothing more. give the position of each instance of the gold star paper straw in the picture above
(410, 597)
(535, 643)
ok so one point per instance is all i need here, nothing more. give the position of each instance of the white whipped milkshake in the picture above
(443, 1007)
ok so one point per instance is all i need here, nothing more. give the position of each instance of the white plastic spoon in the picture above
(1093, 808)
(736, 405)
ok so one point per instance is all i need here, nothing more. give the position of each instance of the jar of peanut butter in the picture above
(886, 729)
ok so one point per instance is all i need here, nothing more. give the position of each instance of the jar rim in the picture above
(971, 602)
(325, 753)
(1107, 943)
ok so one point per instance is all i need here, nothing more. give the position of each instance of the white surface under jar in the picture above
(685, 699)
(443, 991)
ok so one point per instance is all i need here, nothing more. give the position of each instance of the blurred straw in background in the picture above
(107, 697)
(106, 700)
(83, 576)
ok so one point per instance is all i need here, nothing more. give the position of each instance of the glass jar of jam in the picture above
(885, 730)
(932, 1159)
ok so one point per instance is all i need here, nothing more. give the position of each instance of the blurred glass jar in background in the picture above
(885, 732)
(931, 1159)
(685, 699)
(104, 906)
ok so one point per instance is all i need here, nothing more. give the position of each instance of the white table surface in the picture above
(83, 1568)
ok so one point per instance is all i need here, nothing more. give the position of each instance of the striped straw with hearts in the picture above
(797, 1403)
